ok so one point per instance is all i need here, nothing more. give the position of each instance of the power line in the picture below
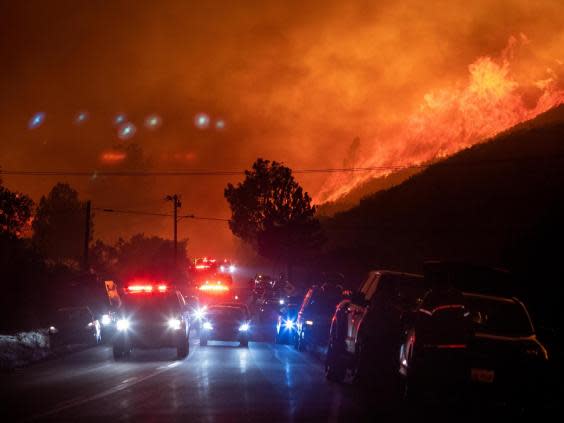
(203, 172)
(143, 213)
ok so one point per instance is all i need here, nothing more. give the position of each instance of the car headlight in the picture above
(122, 325)
(200, 313)
(289, 324)
(207, 326)
(53, 329)
(281, 301)
(174, 323)
(244, 327)
(309, 322)
(232, 268)
(106, 319)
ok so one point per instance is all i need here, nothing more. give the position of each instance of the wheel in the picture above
(244, 344)
(183, 350)
(203, 342)
(119, 352)
(335, 370)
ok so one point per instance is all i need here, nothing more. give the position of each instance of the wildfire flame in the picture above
(451, 119)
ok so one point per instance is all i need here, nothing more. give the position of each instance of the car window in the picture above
(226, 312)
(504, 318)
(152, 304)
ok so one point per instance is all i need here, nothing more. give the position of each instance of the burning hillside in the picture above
(499, 93)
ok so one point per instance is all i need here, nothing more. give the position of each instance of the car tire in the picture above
(335, 369)
(203, 342)
(183, 350)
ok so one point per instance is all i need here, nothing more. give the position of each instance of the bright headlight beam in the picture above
(174, 323)
(106, 320)
(207, 326)
(122, 325)
(244, 327)
(289, 324)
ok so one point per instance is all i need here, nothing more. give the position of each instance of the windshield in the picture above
(228, 313)
(495, 317)
(151, 304)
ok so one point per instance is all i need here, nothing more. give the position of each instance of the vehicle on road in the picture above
(367, 328)
(314, 317)
(74, 325)
(464, 343)
(153, 315)
(286, 324)
(226, 323)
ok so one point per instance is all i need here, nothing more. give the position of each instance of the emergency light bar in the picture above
(214, 288)
(135, 289)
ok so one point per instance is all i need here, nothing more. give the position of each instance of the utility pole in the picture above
(86, 236)
(176, 204)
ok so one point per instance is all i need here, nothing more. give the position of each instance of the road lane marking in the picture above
(125, 384)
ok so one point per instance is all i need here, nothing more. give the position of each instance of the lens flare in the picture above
(153, 121)
(36, 120)
(81, 117)
(119, 119)
(126, 131)
(202, 121)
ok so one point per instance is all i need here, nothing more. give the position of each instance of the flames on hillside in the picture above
(495, 97)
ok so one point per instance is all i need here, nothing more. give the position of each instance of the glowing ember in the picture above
(451, 119)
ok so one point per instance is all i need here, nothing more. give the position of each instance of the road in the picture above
(217, 383)
(220, 382)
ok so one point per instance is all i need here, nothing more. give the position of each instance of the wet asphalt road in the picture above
(219, 382)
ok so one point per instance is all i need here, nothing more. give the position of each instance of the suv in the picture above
(152, 316)
(366, 329)
(314, 317)
(463, 342)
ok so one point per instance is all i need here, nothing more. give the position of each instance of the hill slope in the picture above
(499, 203)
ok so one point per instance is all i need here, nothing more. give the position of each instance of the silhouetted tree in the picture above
(270, 211)
(15, 211)
(58, 227)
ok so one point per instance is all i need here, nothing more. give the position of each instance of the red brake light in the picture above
(162, 288)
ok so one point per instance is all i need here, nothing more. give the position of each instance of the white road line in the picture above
(125, 384)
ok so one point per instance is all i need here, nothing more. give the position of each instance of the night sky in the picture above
(214, 85)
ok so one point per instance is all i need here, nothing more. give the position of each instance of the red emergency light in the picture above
(147, 288)
(217, 287)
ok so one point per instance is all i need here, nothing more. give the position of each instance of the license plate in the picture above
(482, 375)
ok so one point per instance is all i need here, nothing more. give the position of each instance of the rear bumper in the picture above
(227, 334)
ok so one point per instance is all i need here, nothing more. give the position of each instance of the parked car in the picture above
(74, 325)
(366, 329)
(463, 343)
(314, 317)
